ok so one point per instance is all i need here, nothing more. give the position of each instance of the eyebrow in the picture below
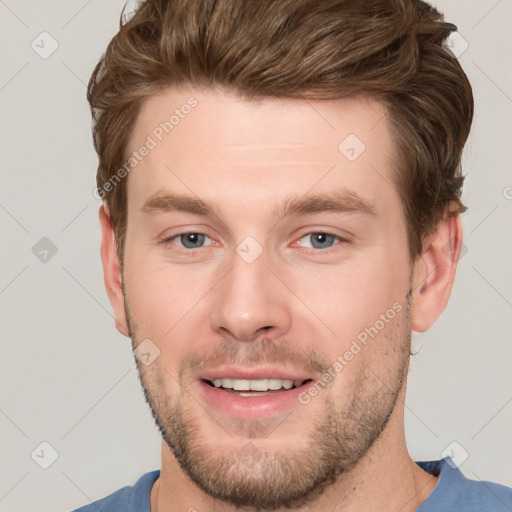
(163, 203)
(338, 202)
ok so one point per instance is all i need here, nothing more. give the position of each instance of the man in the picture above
(281, 209)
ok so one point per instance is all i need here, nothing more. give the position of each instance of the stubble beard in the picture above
(250, 477)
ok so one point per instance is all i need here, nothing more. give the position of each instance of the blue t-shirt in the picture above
(453, 492)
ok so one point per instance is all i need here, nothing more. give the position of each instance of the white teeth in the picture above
(256, 385)
(276, 383)
(241, 385)
(259, 385)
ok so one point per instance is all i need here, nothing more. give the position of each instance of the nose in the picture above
(250, 302)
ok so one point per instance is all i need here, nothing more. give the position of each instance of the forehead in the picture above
(220, 145)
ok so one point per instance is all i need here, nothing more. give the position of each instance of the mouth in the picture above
(255, 387)
(252, 392)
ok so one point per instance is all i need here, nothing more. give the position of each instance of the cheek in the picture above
(353, 295)
(163, 308)
(165, 299)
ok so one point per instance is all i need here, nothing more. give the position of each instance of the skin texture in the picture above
(294, 307)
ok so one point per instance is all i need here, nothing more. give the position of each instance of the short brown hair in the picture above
(316, 49)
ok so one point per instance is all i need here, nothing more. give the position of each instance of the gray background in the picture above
(68, 378)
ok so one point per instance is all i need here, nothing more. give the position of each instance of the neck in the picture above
(385, 479)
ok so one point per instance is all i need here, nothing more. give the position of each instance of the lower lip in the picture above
(251, 406)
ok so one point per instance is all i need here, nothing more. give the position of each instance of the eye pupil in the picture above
(321, 240)
(192, 240)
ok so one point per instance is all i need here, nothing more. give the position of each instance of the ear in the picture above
(112, 274)
(434, 271)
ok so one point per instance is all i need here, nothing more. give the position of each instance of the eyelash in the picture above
(338, 241)
(169, 240)
(309, 250)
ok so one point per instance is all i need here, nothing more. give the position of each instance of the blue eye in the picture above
(320, 240)
(192, 240)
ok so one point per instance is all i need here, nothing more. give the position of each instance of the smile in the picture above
(252, 398)
(257, 385)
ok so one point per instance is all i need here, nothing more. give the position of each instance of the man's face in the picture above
(289, 256)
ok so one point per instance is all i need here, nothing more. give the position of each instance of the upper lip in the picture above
(247, 373)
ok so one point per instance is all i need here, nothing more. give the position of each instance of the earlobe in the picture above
(112, 274)
(434, 272)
